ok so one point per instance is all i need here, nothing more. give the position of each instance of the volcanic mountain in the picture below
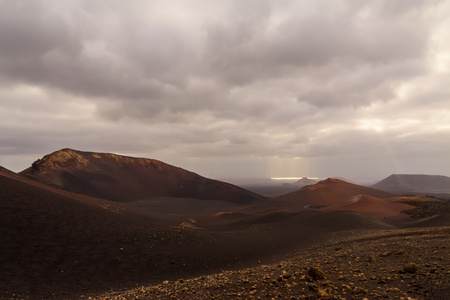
(327, 192)
(305, 181)
(409, 183)
(123, 178)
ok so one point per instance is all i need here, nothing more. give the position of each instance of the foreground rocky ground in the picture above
(389, 264)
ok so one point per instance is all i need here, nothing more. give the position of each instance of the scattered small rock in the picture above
(322, 293)
(359, 290)
(411, 268)
(313, 287)
(315, 273)
(372, 258)
(400, 252)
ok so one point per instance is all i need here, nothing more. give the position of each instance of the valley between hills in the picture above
(103, 226)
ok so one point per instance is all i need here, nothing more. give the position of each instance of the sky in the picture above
(355, 89)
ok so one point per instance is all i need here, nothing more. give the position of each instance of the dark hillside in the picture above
(123, 178)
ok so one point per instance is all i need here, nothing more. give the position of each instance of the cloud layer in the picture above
(230, 88)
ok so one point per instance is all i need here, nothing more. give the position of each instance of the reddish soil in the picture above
(374, 206)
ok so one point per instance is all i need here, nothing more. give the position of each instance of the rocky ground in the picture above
(387, 264)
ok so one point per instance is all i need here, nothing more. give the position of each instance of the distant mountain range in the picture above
(410, 184)
(123, 178)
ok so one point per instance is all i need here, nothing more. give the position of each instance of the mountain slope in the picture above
(410, 183)
(123, 178)
(327, 192)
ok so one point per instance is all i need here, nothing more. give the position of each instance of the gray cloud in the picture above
(242, 80)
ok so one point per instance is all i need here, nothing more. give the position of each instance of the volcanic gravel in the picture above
(389, 264)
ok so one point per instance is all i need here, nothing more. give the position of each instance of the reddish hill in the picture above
(372, 205)
(123, 178)
(327, 192)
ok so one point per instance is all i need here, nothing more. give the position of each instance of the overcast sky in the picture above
(358, 89)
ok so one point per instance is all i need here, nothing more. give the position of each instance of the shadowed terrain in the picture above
(60, 244)
(57, 244)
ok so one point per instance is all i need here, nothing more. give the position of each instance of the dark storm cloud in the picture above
(247, 79)
(59, 45)
(147, 63)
